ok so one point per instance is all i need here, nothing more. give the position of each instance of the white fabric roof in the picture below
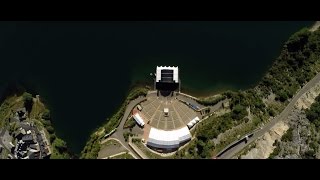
(175, 72)
(193, 122)
(138, 119)
(168, 139)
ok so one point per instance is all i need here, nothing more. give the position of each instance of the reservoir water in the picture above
(84, 70)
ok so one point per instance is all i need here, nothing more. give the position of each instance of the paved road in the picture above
(119, 132)
(137, 150)
(284, 114)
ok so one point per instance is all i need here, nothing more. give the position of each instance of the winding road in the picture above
(237, 146)
(119, 132)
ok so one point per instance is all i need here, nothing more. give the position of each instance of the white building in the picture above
(167, 74)
(138, 119)
(193, 122)
(161, 139)
(167, 78)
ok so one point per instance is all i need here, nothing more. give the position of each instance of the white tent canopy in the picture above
(168, 139)
(138, 119)
(193, 122)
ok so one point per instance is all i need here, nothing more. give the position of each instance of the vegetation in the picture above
(288, 136)
(126, 135)
(46, 115)
(111, 142)
(313, 114)
(276, 151)
(93, 146)
(212, 100)
(13, 127)
(8, 104)
(296, 65)
(28, 101)
(130, 123)
(146, 151)
(123, 156)
(58, 146)
(36, 110)
(114, 121)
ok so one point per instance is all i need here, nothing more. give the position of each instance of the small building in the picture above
(138, 119)
(22, 146)
(166, 112)
(20, 133)
(167, 78)
(139, 107)
(27, 138)
(193, 122)
(21, 154)
(26, 126)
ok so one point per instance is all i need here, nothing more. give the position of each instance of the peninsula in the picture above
(162, 122)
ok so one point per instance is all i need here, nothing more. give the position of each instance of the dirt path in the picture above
(315, 26)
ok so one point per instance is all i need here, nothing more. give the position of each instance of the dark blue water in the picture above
(84, 69)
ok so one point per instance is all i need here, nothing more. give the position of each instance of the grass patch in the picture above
(8, 105)
(211, 100)
(147, 152)
(111, 142)
(123, 156)
(130, 123)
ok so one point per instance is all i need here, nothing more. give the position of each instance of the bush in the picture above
(52, 138)
(288, 136)
(28, 101)
(271, 112)
(50, 129)
(46, 115)
(239, 112)
(313, 113)
(126, 136)
(130, 123)
(210, 101)
(60, 145)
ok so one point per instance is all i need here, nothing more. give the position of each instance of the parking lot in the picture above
(179, 113)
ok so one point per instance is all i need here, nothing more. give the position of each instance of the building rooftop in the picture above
(27, 137)
(169, 74)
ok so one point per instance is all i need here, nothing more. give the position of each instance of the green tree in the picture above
(28, 101)
(46, 115)
(60, 145)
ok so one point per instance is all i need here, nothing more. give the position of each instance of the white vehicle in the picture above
(139, 107)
